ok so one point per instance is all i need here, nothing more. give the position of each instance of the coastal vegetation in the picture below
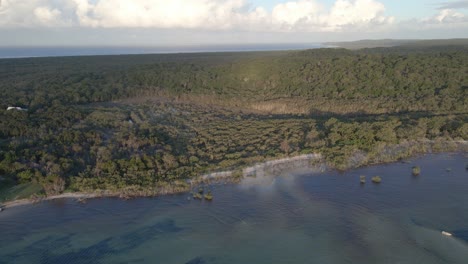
(197, 196)
(208, 196)
(145, 125)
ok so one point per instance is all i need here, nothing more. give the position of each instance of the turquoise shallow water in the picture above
(309, 218)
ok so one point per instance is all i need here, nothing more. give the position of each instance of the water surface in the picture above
(24, 52)
(311, 218)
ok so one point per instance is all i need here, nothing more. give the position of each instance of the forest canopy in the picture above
(140, 121)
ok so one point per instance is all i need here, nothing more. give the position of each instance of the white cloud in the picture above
(291, 13)
(360, 13)
(82, 11)
(295, 16)
(445, 19)
(48, 16)
(453, 5)
(35, 13)
(448, 16)
(161, 13)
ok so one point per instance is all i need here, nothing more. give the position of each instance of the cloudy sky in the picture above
(168, 22)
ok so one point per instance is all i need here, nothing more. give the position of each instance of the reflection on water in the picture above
(311, 218)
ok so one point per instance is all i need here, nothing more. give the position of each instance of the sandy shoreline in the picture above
(301, 163)
(21, 202)
(260, 169)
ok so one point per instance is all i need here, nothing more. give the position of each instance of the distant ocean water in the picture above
(25, 52)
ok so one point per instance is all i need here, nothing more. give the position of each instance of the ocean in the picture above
(26, 52)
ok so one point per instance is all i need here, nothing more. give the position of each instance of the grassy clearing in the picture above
(21, 191)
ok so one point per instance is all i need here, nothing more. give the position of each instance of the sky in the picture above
(189, 22)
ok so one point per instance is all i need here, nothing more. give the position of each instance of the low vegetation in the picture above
(416, 170)
(208, 196)
(21, 191)
(197, 196)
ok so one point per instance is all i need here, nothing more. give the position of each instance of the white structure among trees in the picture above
(16, 108)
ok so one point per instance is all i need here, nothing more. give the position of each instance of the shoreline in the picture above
(308, 162)
(21, 202)
(268, 167)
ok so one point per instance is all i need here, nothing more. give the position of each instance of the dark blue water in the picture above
(22, 52)
(312, 218)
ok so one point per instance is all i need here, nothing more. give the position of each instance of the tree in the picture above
(53, 185)
(285, 147)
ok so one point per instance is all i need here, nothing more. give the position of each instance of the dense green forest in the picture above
(144, 123)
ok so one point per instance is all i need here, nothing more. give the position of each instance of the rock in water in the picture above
(362, 179)
(376, 179)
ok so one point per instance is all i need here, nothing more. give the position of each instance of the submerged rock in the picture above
(81, 200)
(197, 260)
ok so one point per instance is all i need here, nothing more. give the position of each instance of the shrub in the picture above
(197, 196)
(208, 196)
(53, 185)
